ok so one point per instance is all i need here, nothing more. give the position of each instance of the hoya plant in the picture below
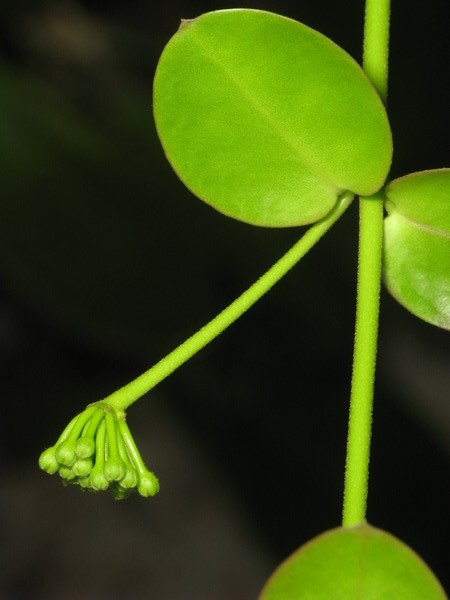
(273, 124)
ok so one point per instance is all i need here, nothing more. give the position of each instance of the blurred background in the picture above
(107, 262)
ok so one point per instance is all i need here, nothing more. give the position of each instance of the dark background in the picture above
(107, 263)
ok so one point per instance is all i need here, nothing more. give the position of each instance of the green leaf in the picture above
(417, 244)
(266, 119)
(360, 563)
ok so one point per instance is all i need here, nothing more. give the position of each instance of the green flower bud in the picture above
(98, 480)
(85, 483)
(66, 474)
(148, 484)
(97, 451)
(85, 447)
(130, 479)
(82, 467)
(114, 469)
(65, 454)
(48, 462)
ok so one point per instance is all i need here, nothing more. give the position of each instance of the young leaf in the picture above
(417, 244)
(266, 119)
(351, 564)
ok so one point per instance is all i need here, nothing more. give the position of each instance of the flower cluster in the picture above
(97, 451)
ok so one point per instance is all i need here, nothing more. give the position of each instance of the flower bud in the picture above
(114, 469)
(82, 467)
(66, 474)
(85, 483)
(65, 454)
(48, 462)
(148, 484)
(130, 479)
(85, 447)
(98, 480)
(97, 451)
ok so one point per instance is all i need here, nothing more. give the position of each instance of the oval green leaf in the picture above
(360, 563)
(417, 244)
(266, 119)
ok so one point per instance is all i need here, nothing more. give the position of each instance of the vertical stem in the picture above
(361, 398)
(376, 44)
(376, 40)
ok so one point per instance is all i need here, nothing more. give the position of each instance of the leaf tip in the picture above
(185, 23)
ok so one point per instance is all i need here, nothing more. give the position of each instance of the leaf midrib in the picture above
(422, 226)
(293, 143)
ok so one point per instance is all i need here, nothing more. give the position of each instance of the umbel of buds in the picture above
(97, 451)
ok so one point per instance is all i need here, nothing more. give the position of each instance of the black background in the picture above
(107, 263)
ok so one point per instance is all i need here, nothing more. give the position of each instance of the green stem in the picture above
(125, 396)
(376, 40)
(376, 44)
(361, 398)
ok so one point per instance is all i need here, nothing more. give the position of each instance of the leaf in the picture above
(417, 244)
(360, 563)
(267, 120)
